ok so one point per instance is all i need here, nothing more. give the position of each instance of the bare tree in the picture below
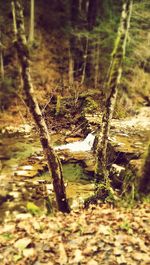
(53, 161)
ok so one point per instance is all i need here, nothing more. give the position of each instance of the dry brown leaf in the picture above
(63, 255)
(92, 262)
(103, 229)
(28, 252)
(77, 256)
(22, 243)
(121, 260)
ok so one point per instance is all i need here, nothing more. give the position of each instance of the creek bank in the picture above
(127, 145)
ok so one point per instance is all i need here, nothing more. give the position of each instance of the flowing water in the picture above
(131, 135)
(16, 191)
(84, 146)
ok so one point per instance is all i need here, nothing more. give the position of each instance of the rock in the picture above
(24, 128)
(72, 139)
(14, 194)
(135, 165)
(27, 167)
(118, 170)
(5, 196)
(25, 173)
(23, 216)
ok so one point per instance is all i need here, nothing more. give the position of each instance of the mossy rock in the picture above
(90, 105)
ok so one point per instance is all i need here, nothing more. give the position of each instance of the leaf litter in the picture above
(98, 235)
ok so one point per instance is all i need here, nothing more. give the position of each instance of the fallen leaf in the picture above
(77, 256)
(103, 229)
(121, 260)
(63, 255)
(92, 262)
(28, 252)
(22, 243)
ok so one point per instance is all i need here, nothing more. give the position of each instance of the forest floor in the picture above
(99, 235)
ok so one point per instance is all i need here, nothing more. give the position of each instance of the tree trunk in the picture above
(97, 57)
(85, 61)
(31, 32)
(1, 58)
(92, 13)
(144, 185)
(74, 14)
(113, 81)
(71, 68)
(54, 164)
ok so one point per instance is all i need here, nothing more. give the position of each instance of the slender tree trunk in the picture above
(85, 61)
(2, 65)
(31, 32)
(92, 13)
(113, 81)
(54, 164)
(97, 57)
(1, 58)
(71, 69)
(74, 13)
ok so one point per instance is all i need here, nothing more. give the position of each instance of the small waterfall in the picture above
(85, 145)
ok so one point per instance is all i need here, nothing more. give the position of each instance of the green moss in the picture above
(90, 105)
(33, 209)
(74, 172)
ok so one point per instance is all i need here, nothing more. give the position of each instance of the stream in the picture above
(23, 171)
(17, 190)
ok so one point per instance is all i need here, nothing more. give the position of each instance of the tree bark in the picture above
(1, 58)
(31, 32)
(97, 58)
(114, 76)
(85, 61)
(71, 68)
(73, 60)
(54, 164)
(144, 185)
(92, 13)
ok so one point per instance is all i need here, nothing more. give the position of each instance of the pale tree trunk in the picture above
(31, 31)
(71, 69)
(112, 83)
(1, 59)
(85, 61)
(97, 57)
(54, 164)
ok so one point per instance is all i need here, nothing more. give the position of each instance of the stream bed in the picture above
(17, 191)
(21, 158)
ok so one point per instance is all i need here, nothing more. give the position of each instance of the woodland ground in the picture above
(99, 235)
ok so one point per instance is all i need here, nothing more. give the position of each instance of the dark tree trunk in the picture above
(31, 101)
(73, 60)
(144, 186)
(92, 13)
